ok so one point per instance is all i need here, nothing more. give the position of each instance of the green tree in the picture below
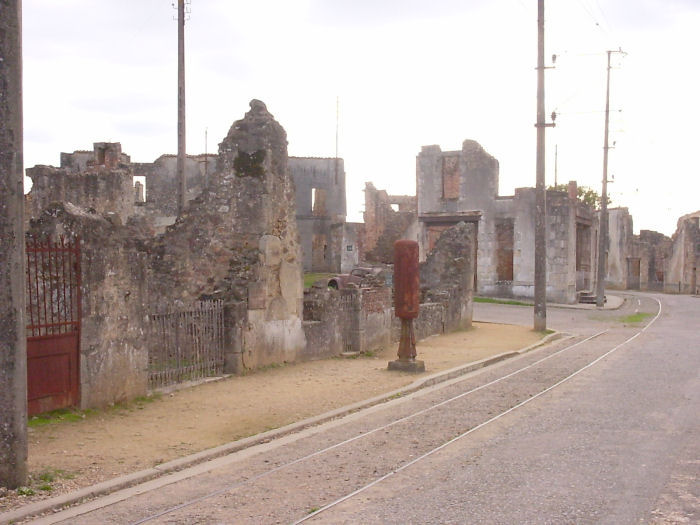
(584, 193)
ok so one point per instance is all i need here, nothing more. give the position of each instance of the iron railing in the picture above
(185, 343)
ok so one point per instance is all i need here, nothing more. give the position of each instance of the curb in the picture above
(129, 480)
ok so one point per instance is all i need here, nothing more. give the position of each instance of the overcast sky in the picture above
(407, 73)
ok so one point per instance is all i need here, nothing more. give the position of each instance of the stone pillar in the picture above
(13, 355)
(235, 318)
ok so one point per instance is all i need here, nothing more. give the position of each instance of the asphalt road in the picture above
(600, 427)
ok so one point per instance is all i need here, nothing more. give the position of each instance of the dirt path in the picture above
(106, 444)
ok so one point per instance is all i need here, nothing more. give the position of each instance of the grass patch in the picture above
(311, 278)
(500, 301)
(312, 510)
(634, 318)
(59, 416)
(25, 491)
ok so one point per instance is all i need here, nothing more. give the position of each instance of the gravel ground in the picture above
(65, 456)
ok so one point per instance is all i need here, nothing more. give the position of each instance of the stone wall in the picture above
(619, 248)
(447, 275)
(384, 225)
(113, 350)
(320, 206)
(237, 241)
(685, 257)
(161, 182)
(101, 188)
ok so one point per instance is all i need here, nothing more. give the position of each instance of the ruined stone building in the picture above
(462, 185)
(219, 290)
(101, 180)
(326, 242)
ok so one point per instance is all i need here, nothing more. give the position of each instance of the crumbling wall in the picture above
(346, 241)
(447, 275)
(162, 183)
(113, 350)
(238, 241)
(320, 206)
(100, 188)
(384, 225)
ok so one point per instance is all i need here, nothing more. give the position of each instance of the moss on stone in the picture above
(249, 164)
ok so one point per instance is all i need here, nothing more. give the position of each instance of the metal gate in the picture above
(186, 343)
(53, 332)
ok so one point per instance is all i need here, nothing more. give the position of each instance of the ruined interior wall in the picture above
(383, 224)
(324, 179)
(101, 189)
(346, 245)
(162, 185)
(113, 352)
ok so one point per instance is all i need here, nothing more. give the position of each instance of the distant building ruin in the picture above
(320, 210)
(455, 186)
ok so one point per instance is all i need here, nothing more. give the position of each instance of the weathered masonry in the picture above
(386, 219)
(220, 289)
(462, 185)
(320, 209)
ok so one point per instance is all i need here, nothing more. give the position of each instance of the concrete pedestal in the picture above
(407, 365)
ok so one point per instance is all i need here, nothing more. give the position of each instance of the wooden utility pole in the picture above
(603, 234)
(540, 311)
(13, 340)
(181, 182)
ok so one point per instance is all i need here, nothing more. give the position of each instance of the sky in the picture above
(394, 75)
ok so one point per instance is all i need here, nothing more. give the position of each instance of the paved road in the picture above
(596, 428)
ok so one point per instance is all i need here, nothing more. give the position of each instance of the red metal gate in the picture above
(53, 332)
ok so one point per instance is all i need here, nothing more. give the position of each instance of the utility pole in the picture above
(181, 182)
(337, 120)
(206, 160)
(13, 340)
(556, 163)
(540, 311)
(603, 234)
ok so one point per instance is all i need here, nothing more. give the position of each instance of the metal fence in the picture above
(53, 286)
(186, 343)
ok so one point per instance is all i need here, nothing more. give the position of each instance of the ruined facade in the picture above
(683, 275)
(454, 186)
(101, 180)
(320, 211)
